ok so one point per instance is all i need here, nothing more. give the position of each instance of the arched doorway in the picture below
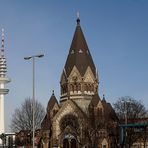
(69, 126)
(69, 141)
(65, 143)
(73, 143)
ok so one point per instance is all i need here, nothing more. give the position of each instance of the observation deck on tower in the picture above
(3, 68)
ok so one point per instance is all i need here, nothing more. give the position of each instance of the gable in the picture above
(75, 75)
(105, 143)
(88, 76)
(99, 105)
(54, 110)
(68, 108)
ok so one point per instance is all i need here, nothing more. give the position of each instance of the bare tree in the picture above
(130, 110)
(22, 117)
(130, 107)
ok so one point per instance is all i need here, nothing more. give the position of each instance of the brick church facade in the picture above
(81, 118)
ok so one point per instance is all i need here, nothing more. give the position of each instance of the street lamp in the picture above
(33, 91)
(125, 102)
(125, 114)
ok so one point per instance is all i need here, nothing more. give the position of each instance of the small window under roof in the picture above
(72, 52)
(80, 51)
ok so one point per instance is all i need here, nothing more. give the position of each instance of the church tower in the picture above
(79, 80)
(81, 118)
(3, 81)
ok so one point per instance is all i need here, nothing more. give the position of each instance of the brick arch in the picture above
(69, 120)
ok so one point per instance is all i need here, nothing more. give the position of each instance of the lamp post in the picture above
(126, 110)
(33, 91)
(126, 118)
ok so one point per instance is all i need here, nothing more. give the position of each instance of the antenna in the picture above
(2, 44)
(78, 18)
(2, 38)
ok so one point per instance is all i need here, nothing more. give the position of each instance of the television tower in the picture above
(3, 81)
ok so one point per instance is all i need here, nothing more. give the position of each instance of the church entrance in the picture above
(69, 142)
(73, 143)
(65, 143)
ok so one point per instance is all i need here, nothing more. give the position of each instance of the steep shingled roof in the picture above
(95, 100)
(52, 102)
(108, 110)
(46, 123)
(79, 54)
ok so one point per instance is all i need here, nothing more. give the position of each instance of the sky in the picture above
(116, 32)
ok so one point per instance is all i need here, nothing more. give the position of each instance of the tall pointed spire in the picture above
(78, 80)
(103, 97)
(52, 101)
(79, 54)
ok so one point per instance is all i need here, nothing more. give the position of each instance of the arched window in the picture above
(86, 87)
(62, 89)
(69, 120)
(79, 87)
(89, 87)
(92, 87)
(75, 87)
(71, 87)
(65, 88)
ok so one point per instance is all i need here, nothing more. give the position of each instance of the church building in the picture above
(81, 118)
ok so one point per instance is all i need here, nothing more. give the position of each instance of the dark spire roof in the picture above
(109, 112)
(79, 54)
(95, 100)
(52, 101)
(104, 98)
